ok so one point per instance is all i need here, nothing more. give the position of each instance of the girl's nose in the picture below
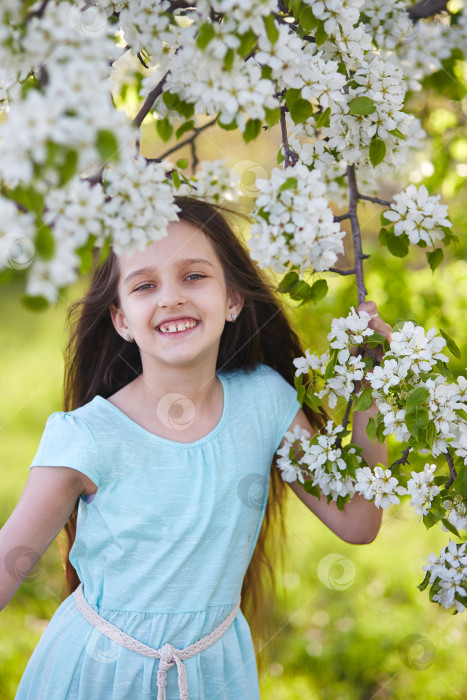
(170, 295)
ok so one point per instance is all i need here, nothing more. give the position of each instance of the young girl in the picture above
(178, 392)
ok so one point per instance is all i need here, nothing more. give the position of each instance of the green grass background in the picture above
(378, 637)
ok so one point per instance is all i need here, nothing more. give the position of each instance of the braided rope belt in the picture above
(169, 655)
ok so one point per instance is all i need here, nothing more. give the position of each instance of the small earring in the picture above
(233, 317)
(128, 337)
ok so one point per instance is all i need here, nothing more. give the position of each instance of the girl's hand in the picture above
(378, 325)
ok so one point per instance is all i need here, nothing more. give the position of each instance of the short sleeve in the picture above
(68, 441)
(284, 404)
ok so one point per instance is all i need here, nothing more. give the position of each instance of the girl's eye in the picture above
(198, 276)
(147, 284)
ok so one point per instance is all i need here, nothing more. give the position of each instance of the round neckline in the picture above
(209, 436)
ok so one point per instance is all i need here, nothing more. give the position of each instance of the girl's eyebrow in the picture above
(179, 263)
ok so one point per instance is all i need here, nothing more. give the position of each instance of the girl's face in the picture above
(174, 299)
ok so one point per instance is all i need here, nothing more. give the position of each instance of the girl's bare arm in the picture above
(43, 509)
(360, 520)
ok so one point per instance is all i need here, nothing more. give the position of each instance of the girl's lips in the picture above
(178, 333)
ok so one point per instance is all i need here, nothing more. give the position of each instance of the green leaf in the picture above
(421, 586)
(28, 197)
(107, 145)
(435, 258)
(105, 250)
(380, 436)
(182, 163)
(288, 282)
(331, 364)
(449, 526)
(323, 119)
(377, 151)
(300, 291)
(252, 130)
(431, 434)
(176, 179)
(384, 235)
(365, 400)
(229, 59)
(416, 420)
(272, 116)
(433, 516)
(186, 126)
(384, 221)
(320, 35)
(307, 19)
(318, 290)
(309, 488)
(228, 127)
(205, 34)
(37, 303)
(271, 29)
(461, 482)
(299, 109)
(280, 157)
(164, 128)
(371, 429)
(398, 246)
(361, 105)
(417, 397)
(247, 42)
(451, 345)
(289, 184)
(45, 243)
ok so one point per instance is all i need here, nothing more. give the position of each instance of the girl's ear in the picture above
(235, 304)
(118, 320)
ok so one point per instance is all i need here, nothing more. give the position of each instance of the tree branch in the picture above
(197, 130)
(342, 272)
(426, 8)
(356, 237)
(402, 460)
(37, 13)
(376, 200)
(452, 470)
(290, 156)
(341, 217)
(149, 101)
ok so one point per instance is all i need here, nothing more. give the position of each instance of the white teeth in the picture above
(181, 326)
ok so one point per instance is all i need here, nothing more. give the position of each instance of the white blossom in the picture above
(418, 215)
(379, 484)
(422, 489)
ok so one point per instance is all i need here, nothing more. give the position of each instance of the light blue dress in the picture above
(163, 546)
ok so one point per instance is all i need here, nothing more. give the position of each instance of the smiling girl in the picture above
(178, 392)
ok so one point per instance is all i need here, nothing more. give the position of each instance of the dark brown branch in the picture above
(426, 8)
(37, 13)
(149, 101)
(376, 200)
(356, 237)
(341, 217)
(402, 460)
(342, 272)
(289, 155)
(197, 130)
(452, 470)
(141, 60)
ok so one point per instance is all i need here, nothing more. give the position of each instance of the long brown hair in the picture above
(99, 361)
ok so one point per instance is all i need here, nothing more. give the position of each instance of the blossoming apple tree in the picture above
(332, 77)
